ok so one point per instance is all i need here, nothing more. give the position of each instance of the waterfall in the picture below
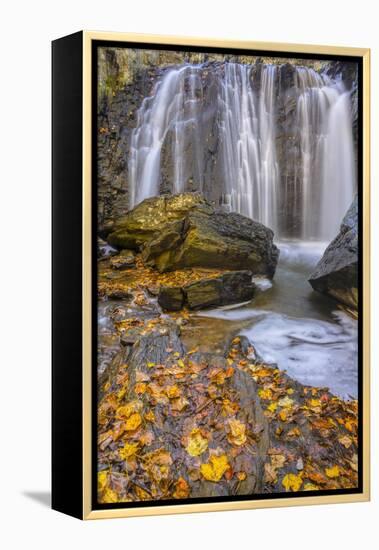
(174, 109)
(247, 135)
(327, 154)
(339, 177)
(214, 128)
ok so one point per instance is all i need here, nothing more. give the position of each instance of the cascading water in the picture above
(327, 180)
(247, 135)
(175, 110)
(224, 143)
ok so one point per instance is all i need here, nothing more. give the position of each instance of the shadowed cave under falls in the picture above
(283, 155)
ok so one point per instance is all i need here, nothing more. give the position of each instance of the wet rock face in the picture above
(228, 288)
(171, 298)
(336, 273)
(187, 231)
(117, 116)
(124, 260)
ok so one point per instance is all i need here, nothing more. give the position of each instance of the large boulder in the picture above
(150, 217)
(229, 288)
(187, 231)
(171, 298)
(336, 273)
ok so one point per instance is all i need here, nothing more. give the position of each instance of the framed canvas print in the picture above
(210, 275)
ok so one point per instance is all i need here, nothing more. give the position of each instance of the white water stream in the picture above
(300, 330)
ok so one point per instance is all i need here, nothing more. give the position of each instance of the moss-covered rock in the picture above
(151, 217)
(187, 231)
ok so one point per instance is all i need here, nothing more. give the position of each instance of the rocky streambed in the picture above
(188, 403)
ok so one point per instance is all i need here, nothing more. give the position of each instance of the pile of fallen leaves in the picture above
(314, 434)
(144, 278)
(182, 429)
(141, 459)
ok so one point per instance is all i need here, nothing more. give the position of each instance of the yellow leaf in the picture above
(140, 388)
(159, 456)
(121, 394)
(241, 476)
(150, 416)
(350, 425)
(332, 472)
(141, 493)
(237, 434)
(285, 402)
(182, 489)
(150, 365)
(265, 394)
(128, 450)
(292, 482)
(179, 404)
(197, 444)
(172, 392)
(147, 438)
(109, 496)
(283, 415)
(290, 391)
(345, 441)
(270, 474)
(181, 364)
(133, 422)
(295, 432)
(118, 430)
(215, 468)
(102, 478)
(263, 373)
(278, 461)
(157, 463)
(272, 407)
(310, 487)
(229, 407)
(126, 410)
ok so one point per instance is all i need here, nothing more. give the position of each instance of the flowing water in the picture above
(298, 329)
(192, 105)
(229, 110)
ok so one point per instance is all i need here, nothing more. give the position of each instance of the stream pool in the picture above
(289, 324)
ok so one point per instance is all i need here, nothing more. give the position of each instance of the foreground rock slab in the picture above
(336, 273)
(178, 423)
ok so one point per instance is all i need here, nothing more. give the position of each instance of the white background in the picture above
(26, 31)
